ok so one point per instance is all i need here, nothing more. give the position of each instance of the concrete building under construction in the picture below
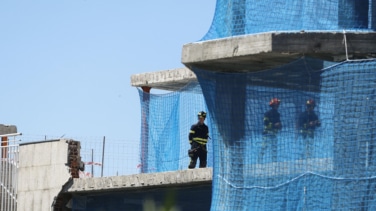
(254, 51)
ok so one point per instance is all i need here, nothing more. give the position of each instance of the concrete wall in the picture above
(42, 173)
(187, 190)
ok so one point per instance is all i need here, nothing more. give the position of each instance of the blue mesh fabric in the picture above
(335, 170)
(239, 17)
(339, 173)
(167, 120)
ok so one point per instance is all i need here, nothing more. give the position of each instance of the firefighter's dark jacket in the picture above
(270, 118)
(199, 133)
(305, 118)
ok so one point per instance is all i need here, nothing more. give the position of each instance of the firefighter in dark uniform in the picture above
(272, 125)
(198, 137)
(307, 123)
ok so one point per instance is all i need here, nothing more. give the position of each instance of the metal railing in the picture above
(103, 156)
(108, 157)
(8, 171)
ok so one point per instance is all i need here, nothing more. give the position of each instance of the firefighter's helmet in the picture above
(310, 102)
(274, 101)
(201, 114)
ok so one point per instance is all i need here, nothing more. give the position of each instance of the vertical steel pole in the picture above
(2, 173)
(92, 160)
(4, 144)
(104, 143)
(7, 178)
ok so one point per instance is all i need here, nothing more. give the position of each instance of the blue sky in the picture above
(66, 65)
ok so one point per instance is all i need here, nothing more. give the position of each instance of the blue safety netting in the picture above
(239, 17)
(339, 172)
(334, 170)
(166, 121)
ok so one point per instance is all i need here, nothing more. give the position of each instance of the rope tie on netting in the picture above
(293, 179)
(345, 42)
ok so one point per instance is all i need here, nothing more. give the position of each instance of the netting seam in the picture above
(296, 178)
(347, 61)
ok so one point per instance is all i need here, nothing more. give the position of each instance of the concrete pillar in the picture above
(231, 115)
(353, 13)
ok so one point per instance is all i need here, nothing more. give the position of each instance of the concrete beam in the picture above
(268, 50)
(170, 80)
(256, 52)
(7, 129)
(147, 180)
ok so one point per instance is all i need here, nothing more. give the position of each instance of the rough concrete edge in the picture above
(161, 77)
(148, 180)
(226, 48)
(254, 44)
